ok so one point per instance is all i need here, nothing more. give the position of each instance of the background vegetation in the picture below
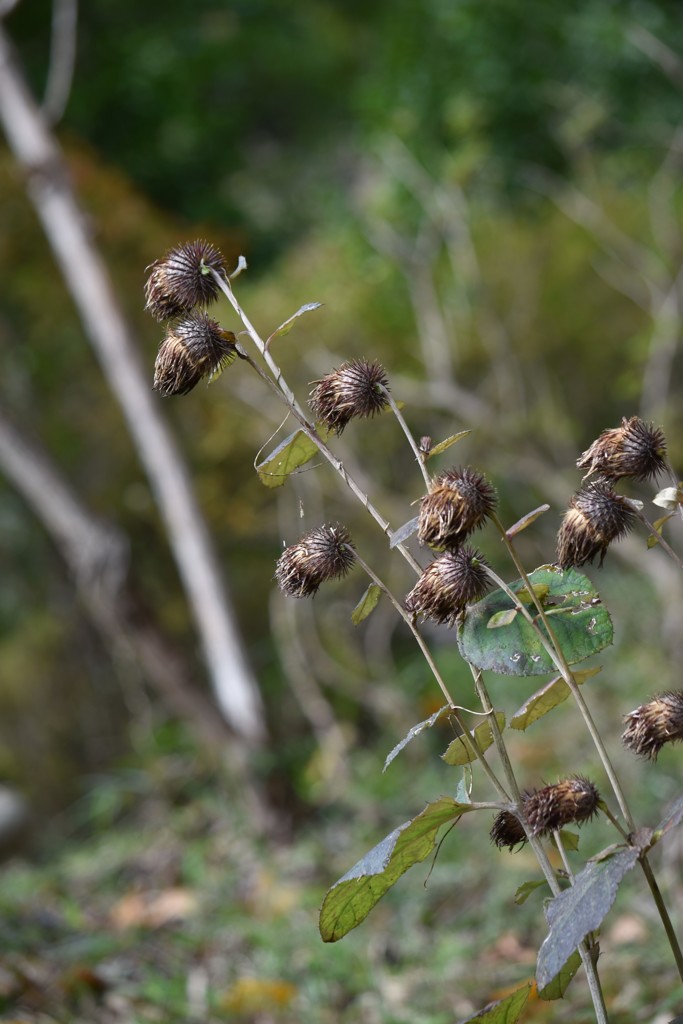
(486, 198)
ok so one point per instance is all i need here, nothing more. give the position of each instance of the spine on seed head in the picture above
(194, 347)
(596, 517)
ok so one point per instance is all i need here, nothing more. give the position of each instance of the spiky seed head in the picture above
(571, 801)
(636, 449)
(180, 281)
(458, 502)
(507, 831)
(596, 516)
(356, 389)
(194, 347)
(652, 725)
(322, 554)
(448, 585)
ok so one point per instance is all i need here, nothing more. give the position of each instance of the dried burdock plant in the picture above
(448, 585)
(322, 554)
(635, 449)
(596, 517)
(507, 831)
(356, 389)
(194, 347)
(551, 618)
(654, 724)
(458, 503)
(182, 280)
(571, 801)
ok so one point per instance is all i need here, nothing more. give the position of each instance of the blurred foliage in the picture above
(159, 903)
(313, 138)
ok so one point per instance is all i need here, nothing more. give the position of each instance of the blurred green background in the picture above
(485, 197)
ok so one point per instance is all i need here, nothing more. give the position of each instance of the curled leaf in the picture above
(525, 521)
(367, 604)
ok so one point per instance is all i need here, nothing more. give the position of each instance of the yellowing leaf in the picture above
(443, 446)
(258, 995)
(459, 752)
(295, 451)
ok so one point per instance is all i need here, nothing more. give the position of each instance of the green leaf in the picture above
(560, 983)
(525, 890)
(412, 733)
(352, 898)
(503, 1011)
(443, 446)
(658, 526)
(295, 451)
(503, 618)
(459, 752)
(570, 840)
(367, 604)
(548, 697)
(286, 327)
(580, 622)
(580, 910)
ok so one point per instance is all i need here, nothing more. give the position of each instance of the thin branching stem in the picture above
(419, 457)
(313, 435)
(467, 738)
(663, 544)
(538, 848)
(568, 676)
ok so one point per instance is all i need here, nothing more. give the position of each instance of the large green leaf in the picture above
(295, 451)
(503, 1011)
(574, 611)
(351, 899)
(580, 910)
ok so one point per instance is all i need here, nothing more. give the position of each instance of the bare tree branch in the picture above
(97, 555)
(86, 276)
(62, 59)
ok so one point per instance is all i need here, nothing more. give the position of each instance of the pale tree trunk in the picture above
(97, 556)
(50, 191)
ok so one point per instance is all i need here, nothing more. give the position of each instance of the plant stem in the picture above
(561, 664)
(313, 435)
(663, 913)
(411, 440)
(468, 739)
(556, 653)
(663, 544)
(539, 850)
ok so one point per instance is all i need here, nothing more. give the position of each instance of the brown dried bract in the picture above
(321, 554)
(193, 348)
(652, 725)
(596, 516)
(459, 501)
(356, 389)
(573, 800)
(636, 449)
(179, 282)
(448, 585)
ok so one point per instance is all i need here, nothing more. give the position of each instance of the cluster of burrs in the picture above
(179, 288)
(597, 514)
